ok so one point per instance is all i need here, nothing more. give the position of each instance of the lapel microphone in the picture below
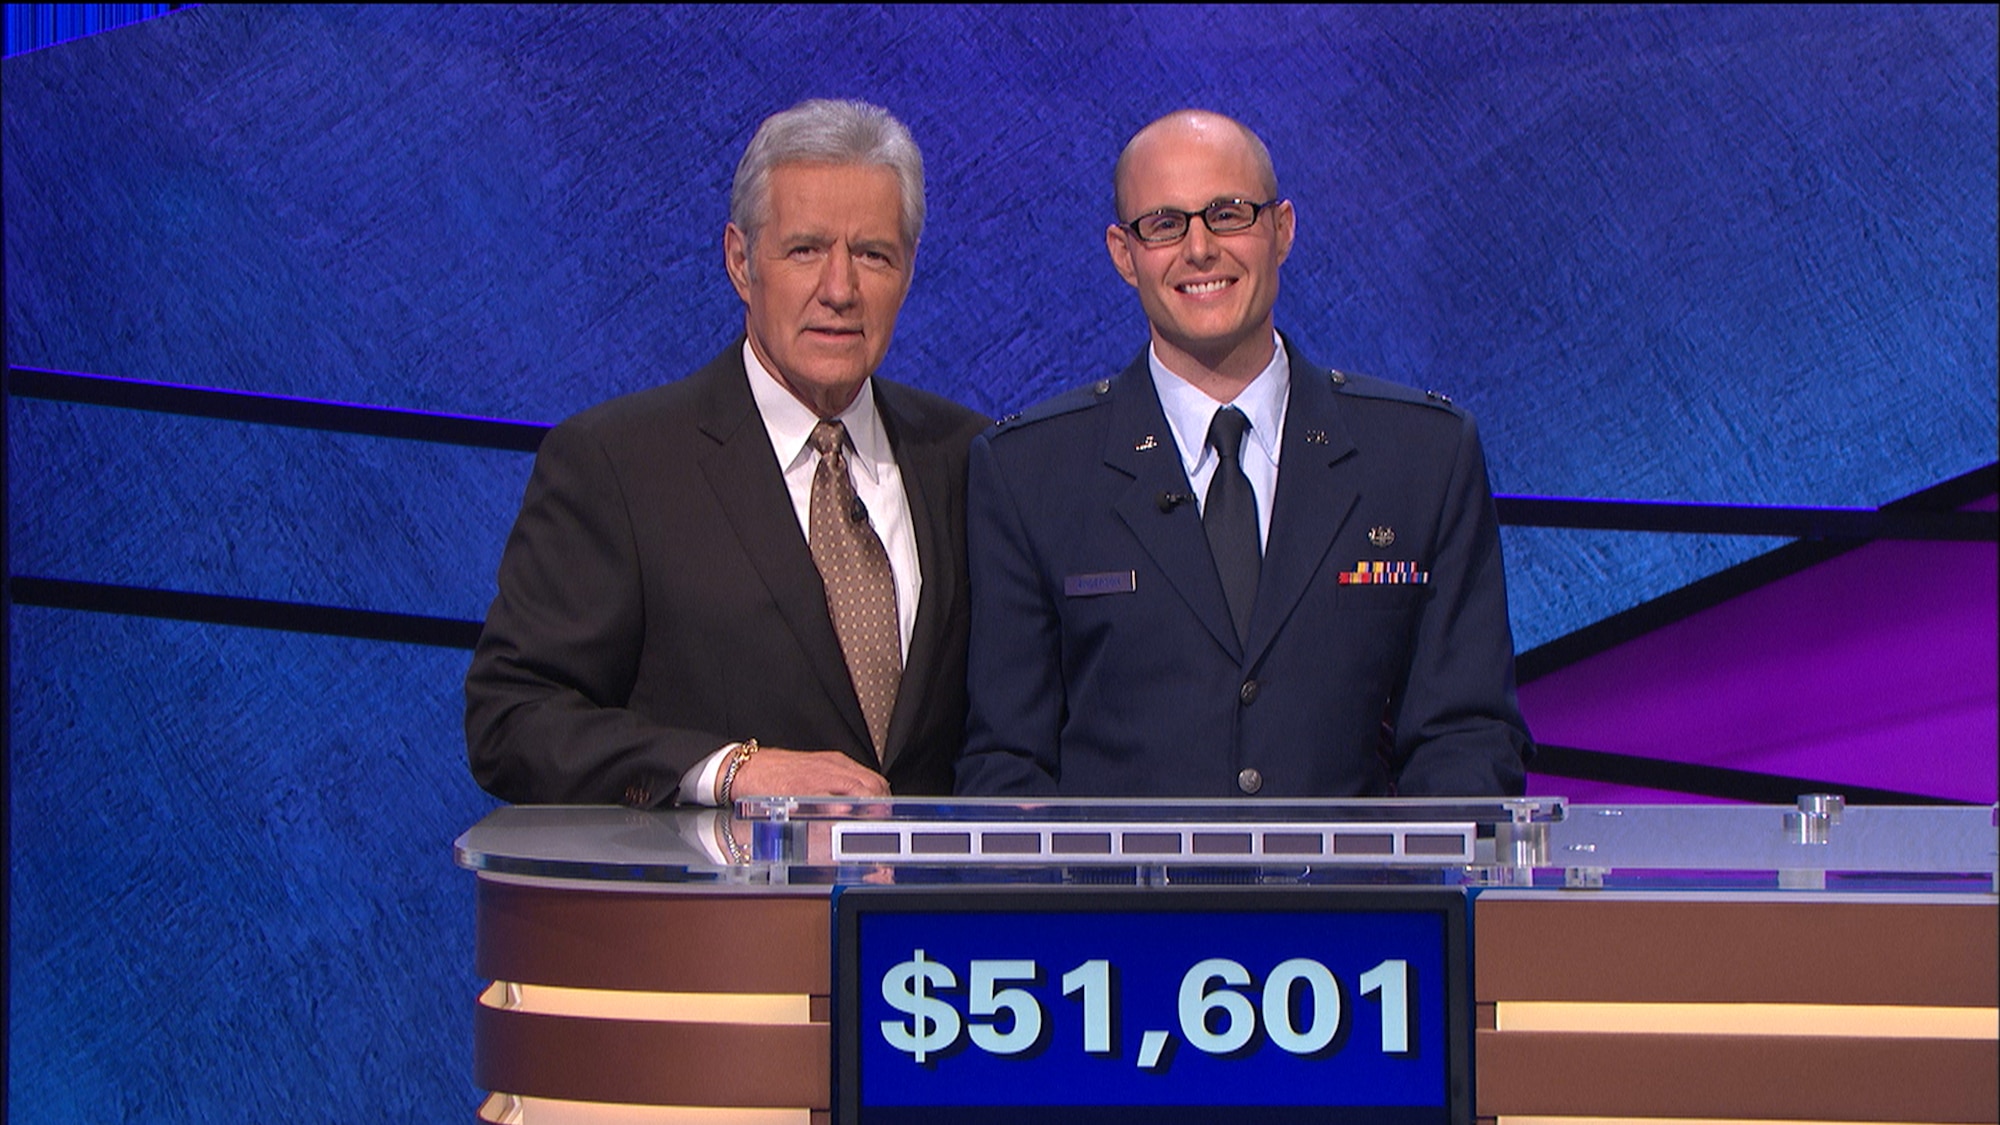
(1168, 501)
(858, 513)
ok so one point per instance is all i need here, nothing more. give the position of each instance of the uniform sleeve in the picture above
(1014, 663)
(1458, 726)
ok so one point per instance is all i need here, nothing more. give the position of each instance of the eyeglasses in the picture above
(1224, 216)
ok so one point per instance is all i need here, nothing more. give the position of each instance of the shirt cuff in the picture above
(698, 783)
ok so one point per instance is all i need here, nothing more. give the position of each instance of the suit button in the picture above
(1249, 781)
(1248, 693)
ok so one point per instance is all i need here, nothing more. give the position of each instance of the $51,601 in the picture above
(1214, 1016)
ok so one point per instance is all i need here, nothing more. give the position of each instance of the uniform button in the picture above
(1248, 693)
(638, 796)
(1249, 781)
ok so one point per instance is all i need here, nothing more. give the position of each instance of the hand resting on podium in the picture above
(806, 773)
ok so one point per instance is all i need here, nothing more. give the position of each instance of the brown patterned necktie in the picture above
(860, 590)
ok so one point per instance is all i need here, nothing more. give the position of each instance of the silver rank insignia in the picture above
(1382, 536)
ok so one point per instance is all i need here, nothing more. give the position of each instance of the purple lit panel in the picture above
(1875, 668)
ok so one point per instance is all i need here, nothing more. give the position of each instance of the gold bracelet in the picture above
(725, 830)
(726, 791)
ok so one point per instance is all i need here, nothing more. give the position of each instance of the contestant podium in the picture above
(1633, 963)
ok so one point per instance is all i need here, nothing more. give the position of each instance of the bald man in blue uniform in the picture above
(1229, 571)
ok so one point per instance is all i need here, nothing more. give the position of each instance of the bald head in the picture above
(1173, 134)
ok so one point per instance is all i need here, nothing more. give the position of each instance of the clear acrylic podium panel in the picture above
(774, 842)
(610, 935)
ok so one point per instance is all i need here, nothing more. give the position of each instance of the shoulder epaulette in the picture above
(1068, 402)
(1367, 386)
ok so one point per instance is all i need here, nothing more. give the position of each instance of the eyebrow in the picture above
(821, 238)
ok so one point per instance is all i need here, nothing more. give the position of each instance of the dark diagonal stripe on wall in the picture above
(275, 410)
(1896, 521)
(1835, 525)
(255, 613)
(1737, 519)
(1753, 573)
(1708, 781)
(444, 632)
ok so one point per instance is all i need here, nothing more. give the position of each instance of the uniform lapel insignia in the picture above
(1145, 443)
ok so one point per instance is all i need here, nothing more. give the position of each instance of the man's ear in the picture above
(1121, 254)
(736, 259)
(1287, 224)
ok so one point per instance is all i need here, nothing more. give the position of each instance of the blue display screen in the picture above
(1266, 1004)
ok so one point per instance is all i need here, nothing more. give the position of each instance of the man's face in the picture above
(1208, 295)
(825, 278)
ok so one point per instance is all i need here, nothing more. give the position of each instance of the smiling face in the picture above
(824, 278)
(1208, 297)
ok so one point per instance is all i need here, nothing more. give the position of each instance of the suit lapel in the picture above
(750, 488)
(927, 488)
(1318, 485)
(1140, 444)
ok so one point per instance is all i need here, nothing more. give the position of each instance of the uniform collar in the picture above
(1189, 410)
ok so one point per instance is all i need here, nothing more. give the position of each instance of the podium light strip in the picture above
(1005, 842)
(1843, 1021)
(657, 1007)
(510, 1109)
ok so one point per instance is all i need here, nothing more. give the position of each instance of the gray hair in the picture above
(821, 131)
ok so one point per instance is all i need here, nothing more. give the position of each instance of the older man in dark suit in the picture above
(1160, 609)
(751, 581)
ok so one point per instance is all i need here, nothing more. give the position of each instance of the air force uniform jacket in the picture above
(1103, 658)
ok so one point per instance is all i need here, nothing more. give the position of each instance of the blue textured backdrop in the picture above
(232, 895)
(1733, 254)
(1726, 254)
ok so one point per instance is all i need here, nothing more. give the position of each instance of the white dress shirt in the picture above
(877, 482)
(1189, 411)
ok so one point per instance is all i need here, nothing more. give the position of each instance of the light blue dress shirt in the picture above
(1189, 411)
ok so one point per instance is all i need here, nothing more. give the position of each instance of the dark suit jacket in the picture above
(1087, 682)
(657, 600)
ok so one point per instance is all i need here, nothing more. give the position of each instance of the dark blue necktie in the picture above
(1230, 517)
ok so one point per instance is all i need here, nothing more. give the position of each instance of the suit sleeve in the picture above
(1458, 726)
(546, 716)
(1014, 678)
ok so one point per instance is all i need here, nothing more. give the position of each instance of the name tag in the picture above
(1110, 582)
